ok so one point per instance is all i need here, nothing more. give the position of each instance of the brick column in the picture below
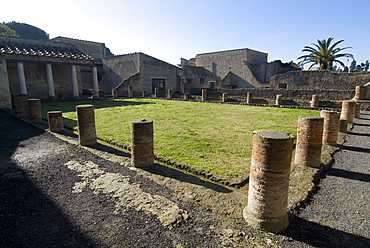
(75, 93)
(34, 108)
(348, 111)
(249, 97)
(50, 81)
(224, 97)
(20, 105)
(331, 126)
(309, 140)
(269, 180)
(142, 147)
(55, 120)
(343, 126)
(204, 95)
(21, 79)
(279, 99)
(357, 109)
(360, 93)
(129, 91)
(86, 125)
(95, 81)
(169, 93)
(314, 101)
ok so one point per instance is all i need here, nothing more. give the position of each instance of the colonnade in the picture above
(50, 80)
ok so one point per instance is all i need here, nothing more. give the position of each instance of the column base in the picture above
(274, 225)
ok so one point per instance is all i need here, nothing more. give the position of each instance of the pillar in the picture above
(129, 91)
(143, 93)
(309, 140)
(75, 93)
(314, 101)
(269, 180)
(348, 111)
(224, 97)
(331, 126)
(279, 99)
(55, 120)
(50, 81)
(86, 125)
(343, 125)
(186, 96)
(357, 109)
(204, 95)
(360, 93)
(142, 147)
(114, 93)
(249, 97)
(95, 82)
(21, 79)
(34, 108)
(156, 90)
(169, 94)
(20, 105)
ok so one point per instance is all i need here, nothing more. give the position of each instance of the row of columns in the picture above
(271, 161)
(50, 81)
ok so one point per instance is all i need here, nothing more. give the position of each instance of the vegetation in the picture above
(6, 31)
(216, 137)
(26, 31)
(324, 54)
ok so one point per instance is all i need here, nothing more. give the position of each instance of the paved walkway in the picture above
(339, 213)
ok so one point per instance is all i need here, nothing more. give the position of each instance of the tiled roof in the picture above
(40, 48)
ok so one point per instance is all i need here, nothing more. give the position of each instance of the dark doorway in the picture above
(159, 83)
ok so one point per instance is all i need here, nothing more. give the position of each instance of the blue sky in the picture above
(169, 30)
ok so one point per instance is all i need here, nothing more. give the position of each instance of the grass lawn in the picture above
(216, 137)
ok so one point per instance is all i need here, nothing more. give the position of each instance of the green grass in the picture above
(216, 137)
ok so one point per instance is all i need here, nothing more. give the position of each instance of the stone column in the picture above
(343, 126)
(269, 180)
(224, 97)
(95, 82)
(357, 109)
(186, 96)
(20, 105)
(279, 99)
(142, 148)
(21, 79)
(360, 93)
(169, 94)
(331, 127)
(249, 97)
(129, 91)
(309, 140)
(143, 93)
(204, 95)
(86, 125)
(50, 81)
(75, 93)
(55, 120)
(314, 101)
(34, 108)
(348, 111)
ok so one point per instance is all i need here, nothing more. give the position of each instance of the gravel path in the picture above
(339, 213)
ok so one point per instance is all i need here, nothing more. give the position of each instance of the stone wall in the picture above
(5, 99)
(319, 80)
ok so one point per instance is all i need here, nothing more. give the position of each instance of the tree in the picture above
(6, 31)
(27, 31)
(324, 54)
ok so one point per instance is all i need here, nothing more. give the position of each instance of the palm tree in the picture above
(324, 54)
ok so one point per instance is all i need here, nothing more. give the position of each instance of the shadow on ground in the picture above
(28, 218)
(318, 235)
